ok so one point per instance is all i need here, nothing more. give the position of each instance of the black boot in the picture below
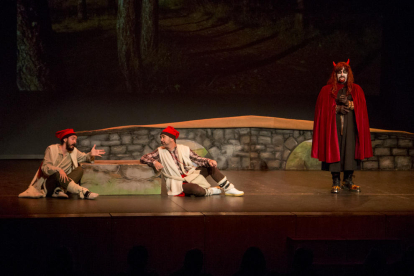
(336, 182)
(348, 184)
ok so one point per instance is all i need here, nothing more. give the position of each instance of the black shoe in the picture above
(335, 186)
(348, 185)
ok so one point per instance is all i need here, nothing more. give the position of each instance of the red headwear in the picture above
(171, 132)
(61, 134)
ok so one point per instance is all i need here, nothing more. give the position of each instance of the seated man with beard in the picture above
(60, 170)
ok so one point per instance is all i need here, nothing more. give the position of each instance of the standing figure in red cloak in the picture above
(341, 137)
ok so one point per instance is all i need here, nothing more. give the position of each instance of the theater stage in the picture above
(281, 211)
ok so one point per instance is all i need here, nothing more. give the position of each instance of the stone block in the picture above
(218, 135)
(215, 152)
(411, 152)
(147, 149)
(125, 156)
(99, 137)
(265, 133)
(373, 158)
(405, 143)
(285, 136)
(120, 178)
(277, 139)
(390, 143)
(142, 140)
(207, 143)
(264, 140)
(183, 133)
(246, 148)
(377, 143)
(267, 155)
(397, 151)
(291, 143)
(382, 151)
(153, 144)
(118, 149)
(85, 142)
(96, 143)
(229, 134)
(135, 148)
(296, 133)
(279, 155)
(283, 165)
(141, 132)
(381, 136)
(286, 154)
(200, 136)
(284, 131)
(386, 162)
(244, 131)
(279, 148)
(254, 131)
(136, 154)
(234, 142)
(254, 155)
(114, 136)
(233, 163)
(273, 164)
(403, 162)
(192, 135)
(156, 131)
(80, 138)
(111, 143)
(241, 154)
(253, 140)
(370, 165)
(126, 139)
(372, 136)
(259, 147)
(245, 139)
(114, 157)
(245, 163)
(300, 139)
(308, 135)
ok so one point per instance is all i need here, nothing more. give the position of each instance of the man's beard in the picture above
(68, 148)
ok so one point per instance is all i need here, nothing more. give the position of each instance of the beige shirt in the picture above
(65, 162)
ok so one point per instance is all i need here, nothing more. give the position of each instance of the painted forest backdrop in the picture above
(90, 64)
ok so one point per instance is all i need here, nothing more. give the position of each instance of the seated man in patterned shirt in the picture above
(183, 179)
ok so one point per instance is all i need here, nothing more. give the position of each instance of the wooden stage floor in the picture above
(281, 211)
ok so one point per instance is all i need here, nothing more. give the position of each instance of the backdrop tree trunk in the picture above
(149, 27)
(34, 34)
(128, 37)
(82, 12)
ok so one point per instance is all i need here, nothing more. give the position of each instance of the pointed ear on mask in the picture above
(347, 61)
(334, 63)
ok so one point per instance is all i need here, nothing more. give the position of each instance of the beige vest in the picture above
(37, 187)
(172, 175)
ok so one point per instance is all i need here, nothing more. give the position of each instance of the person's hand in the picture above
(343, 99)
(63, 176)
(342, 109)
(158, 166)
(212, 163)
(97, 152)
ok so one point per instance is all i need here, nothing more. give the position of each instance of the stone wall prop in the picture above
(247, 148)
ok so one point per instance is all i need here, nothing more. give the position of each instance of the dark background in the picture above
(267, 68)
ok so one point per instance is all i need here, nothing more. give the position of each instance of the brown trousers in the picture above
(193, 189)
(54, 181)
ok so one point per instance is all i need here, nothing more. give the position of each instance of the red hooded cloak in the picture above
(325, 145)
